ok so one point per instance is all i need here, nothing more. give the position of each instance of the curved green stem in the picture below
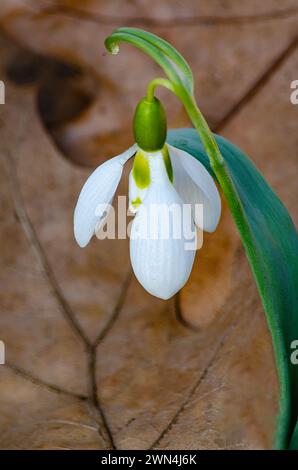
(159, 82)
(112, 46)
(167, 49)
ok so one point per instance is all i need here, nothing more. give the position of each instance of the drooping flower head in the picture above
(166, 185)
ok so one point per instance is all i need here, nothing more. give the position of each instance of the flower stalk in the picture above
(180, 81)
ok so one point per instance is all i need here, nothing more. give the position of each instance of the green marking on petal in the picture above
(168, 163)
(136, 202)
(141, 170)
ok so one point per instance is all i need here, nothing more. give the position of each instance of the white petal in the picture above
(96, 195)
(161, 260)
(196, 186)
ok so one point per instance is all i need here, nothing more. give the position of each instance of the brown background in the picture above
(92, 360)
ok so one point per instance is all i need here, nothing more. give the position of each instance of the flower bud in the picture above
(150, 125)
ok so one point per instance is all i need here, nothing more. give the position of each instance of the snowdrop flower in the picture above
(163, 179)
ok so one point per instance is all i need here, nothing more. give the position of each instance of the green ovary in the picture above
(141, 171)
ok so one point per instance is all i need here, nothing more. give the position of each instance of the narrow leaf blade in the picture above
(271, 244)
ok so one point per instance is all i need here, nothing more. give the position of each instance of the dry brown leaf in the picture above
(198, 376)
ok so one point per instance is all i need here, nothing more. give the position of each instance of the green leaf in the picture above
(271, 243)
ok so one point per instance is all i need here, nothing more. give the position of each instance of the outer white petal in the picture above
(161, 264)
(97, 193)
(195, 185)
